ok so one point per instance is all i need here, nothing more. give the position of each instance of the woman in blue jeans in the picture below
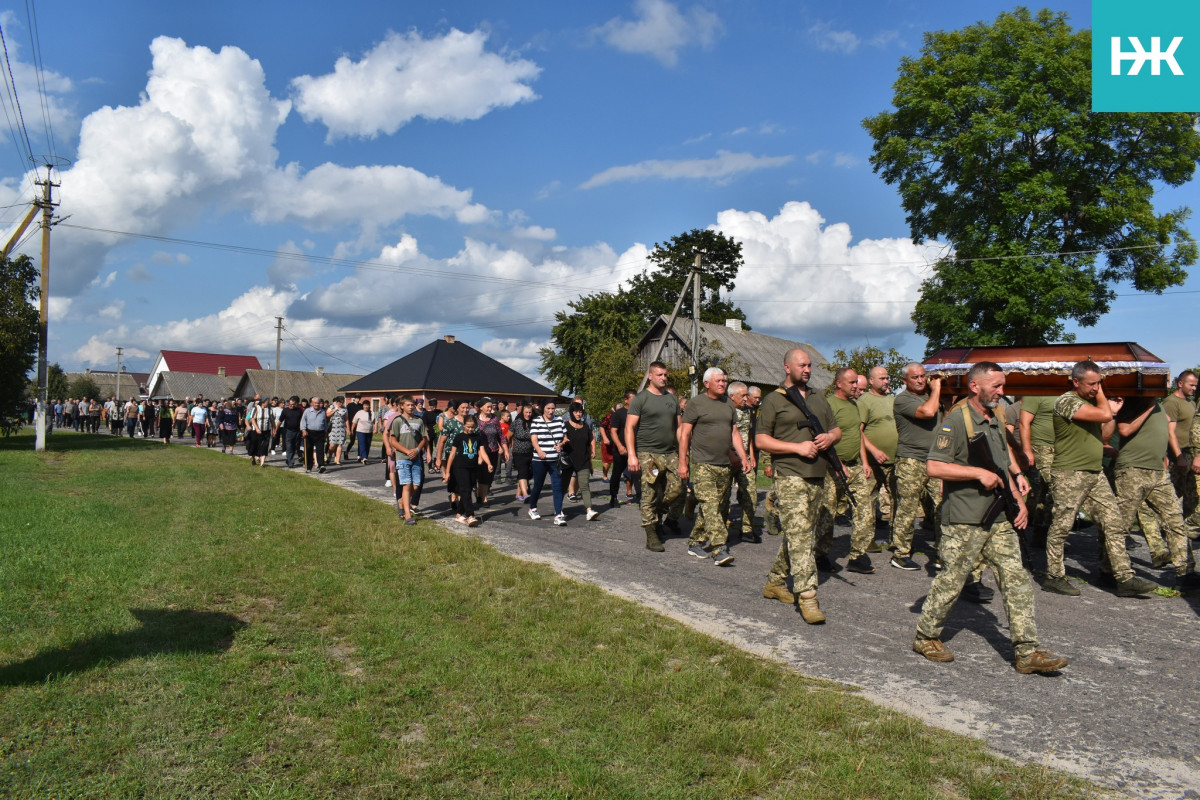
(546, 435)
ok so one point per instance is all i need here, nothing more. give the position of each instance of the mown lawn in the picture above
(176, 623)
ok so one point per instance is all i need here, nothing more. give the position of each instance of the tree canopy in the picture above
(18, 335)
(599, 322)
(994, 149)
(862, 359)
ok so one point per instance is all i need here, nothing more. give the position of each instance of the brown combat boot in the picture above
(779, 591)
(933, 649)
(652, 540)
(810, 610)
(1040, 661)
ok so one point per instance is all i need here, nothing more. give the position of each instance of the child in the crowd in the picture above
(466, 455)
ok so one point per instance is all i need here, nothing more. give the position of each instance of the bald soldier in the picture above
(918, 414)
(784, 431)
(875, 412)
(851, 451)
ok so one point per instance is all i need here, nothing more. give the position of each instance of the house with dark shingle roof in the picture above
(316, 383)
(190, 385)
(446, 370)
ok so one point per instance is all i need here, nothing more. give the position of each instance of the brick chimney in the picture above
(320, 370)
(221, 371)
(449, 339)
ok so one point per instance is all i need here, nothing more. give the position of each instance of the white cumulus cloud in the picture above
(406, 76)
(810, 281)
(661, 30)
(721, 169)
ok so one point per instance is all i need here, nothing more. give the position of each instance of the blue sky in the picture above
(398, 171)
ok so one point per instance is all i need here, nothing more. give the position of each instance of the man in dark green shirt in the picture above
(1083, 423)
(852, 452)
(918, 413)
(799, 474)
(970, 490)
(650, 428)
(1141, 477)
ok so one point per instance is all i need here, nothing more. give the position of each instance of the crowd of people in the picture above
(992, 479)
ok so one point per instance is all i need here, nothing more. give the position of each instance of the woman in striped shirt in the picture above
(546, 435)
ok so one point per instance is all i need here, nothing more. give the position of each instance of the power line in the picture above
(39, 71)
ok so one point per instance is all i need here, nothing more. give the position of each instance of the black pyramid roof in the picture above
(448, 366)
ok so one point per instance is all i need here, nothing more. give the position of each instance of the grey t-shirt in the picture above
(712, 429)
(914, 436)
(657, 415)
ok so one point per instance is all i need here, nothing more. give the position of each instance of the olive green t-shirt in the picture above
(779, 417)
(657, 414)
(846, 414)
(1041, 429)
(1077, 445)
(914, 436)
(879, 422)
(965, 502)
(1147, 446)
(1181, 412)
(712, 429)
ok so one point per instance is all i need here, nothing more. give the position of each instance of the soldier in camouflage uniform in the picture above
(1142, 480)
(852, 452)
(747, 491)
(970, 490)
(1037, 440)
(918, 415)
(1083, 422)
(650, 428)
(1180, 408)
(785, 432)
(706, 436)
(877, 415)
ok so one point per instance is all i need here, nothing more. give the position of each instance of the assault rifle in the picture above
(811, 421)
(979, 454)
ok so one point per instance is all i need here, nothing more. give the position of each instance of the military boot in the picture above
(810, 610)
(652, 540)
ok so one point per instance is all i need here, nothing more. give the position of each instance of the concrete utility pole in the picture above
(278, 340)
(43, 312)
(117, 399)
(696, 327)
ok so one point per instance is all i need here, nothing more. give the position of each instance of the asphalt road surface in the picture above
(1125, 713)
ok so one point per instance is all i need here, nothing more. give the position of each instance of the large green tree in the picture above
(18, 336)
(618, 319)
(994, 150)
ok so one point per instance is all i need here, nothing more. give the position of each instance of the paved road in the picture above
(1124, 713)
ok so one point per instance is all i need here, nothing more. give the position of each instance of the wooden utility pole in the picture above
(694, 273)
(43, 312)
(278, 341)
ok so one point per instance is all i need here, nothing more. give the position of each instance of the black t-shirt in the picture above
(352, 409)
(430, 418)
(468, 445)
(290, 418)
(616, 424)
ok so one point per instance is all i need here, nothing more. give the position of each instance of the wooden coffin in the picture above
(1129, 369)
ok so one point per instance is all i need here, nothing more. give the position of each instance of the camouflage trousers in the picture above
(1139, 488)
(962, 547)
(799, 505)
(914, 490)
(1040, 501)
(662, 491)
(710, 488)
(1072, 490)
(771, 512)
(747, 496)
(1187, 486)
(883, 489)
(863, 513)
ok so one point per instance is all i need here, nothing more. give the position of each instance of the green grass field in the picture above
(176, 623)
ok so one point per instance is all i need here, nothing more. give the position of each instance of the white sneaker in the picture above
(560, 519)
(533, 514)
(387, 484)
(592, 514)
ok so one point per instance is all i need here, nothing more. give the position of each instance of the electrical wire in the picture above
(39, 71)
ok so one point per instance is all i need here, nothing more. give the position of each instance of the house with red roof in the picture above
(222, 364)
